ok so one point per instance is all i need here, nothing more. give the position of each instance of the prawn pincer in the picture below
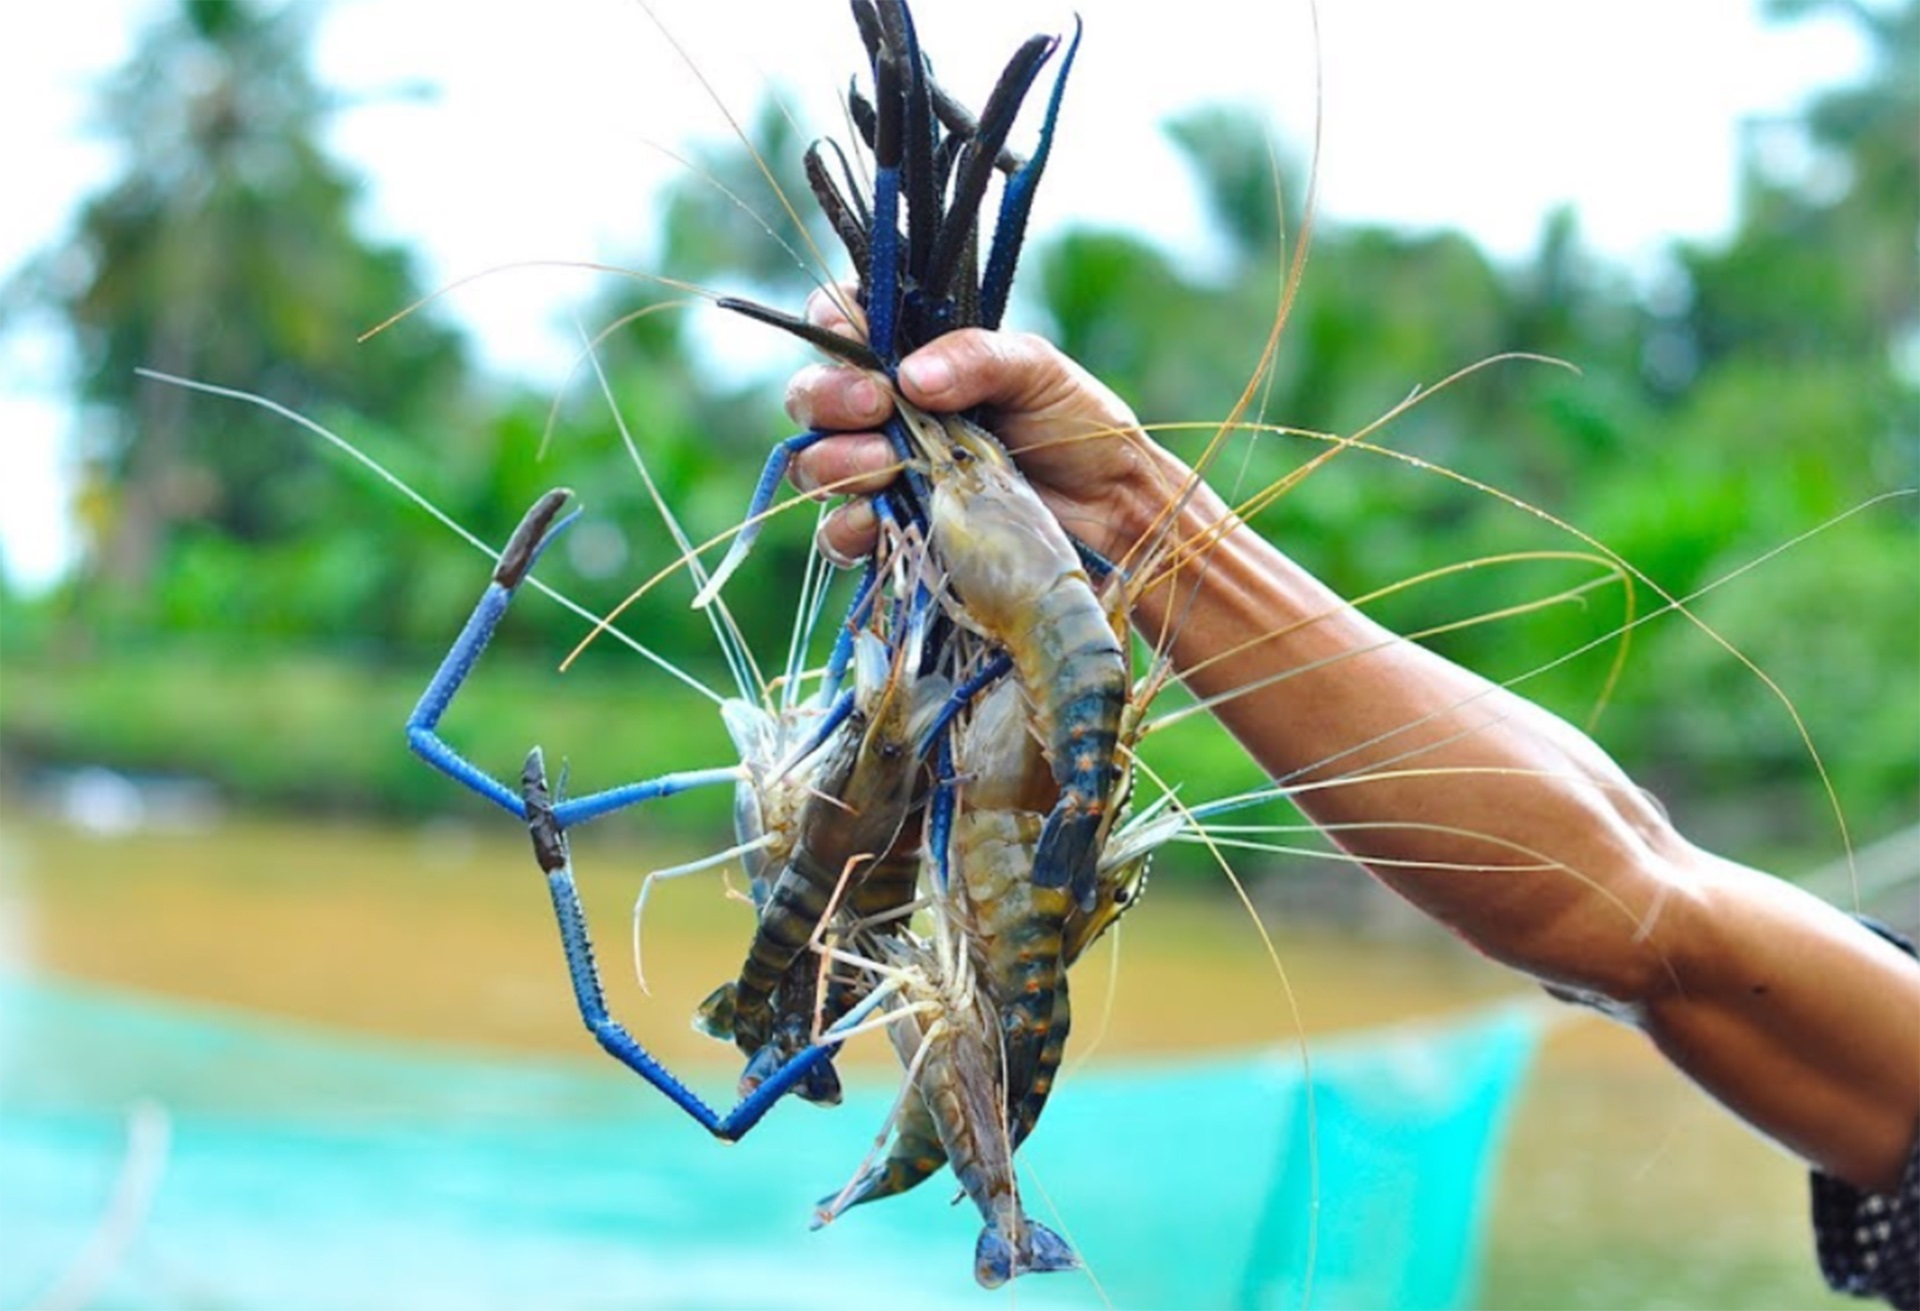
(921, 280)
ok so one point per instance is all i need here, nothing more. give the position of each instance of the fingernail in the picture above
(857, 517)
(927, 374)
(856, 520)
(864, 398)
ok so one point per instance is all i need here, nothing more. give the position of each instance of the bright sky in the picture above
(543, 138)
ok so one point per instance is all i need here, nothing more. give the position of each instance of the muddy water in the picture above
(1622, 1187)
(445, 933)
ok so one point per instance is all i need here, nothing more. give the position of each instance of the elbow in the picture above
(1629, 945)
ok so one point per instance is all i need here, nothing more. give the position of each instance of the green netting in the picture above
(304, 1169)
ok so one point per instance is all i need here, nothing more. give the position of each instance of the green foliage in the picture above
(302, 727)
(1755, 399)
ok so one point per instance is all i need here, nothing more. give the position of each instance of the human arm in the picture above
(1486, 811)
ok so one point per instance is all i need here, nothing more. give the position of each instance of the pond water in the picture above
(310, 948)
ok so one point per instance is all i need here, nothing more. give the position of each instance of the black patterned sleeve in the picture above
(1869, 1243)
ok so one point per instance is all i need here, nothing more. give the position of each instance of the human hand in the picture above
(1078, 444)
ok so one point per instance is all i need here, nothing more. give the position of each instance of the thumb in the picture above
(1008, 371)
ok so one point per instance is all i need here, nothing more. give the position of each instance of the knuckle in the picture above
(1027, 344)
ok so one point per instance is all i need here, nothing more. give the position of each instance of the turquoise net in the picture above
(290, 1168)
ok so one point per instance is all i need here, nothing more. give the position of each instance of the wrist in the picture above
(1158, 503)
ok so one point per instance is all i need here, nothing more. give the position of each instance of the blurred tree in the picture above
(1784, 374)
(226, 251)
(1844, 177)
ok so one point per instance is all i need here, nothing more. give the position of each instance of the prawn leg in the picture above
(771, 476)
(915, 1156)
(939, 748)
(550, 849)
(536, 532)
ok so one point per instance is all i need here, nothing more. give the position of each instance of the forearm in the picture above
(1515, 830)
(1796, 1017)
(1482, 808)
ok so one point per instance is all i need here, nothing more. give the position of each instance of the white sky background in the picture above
(541, 140)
